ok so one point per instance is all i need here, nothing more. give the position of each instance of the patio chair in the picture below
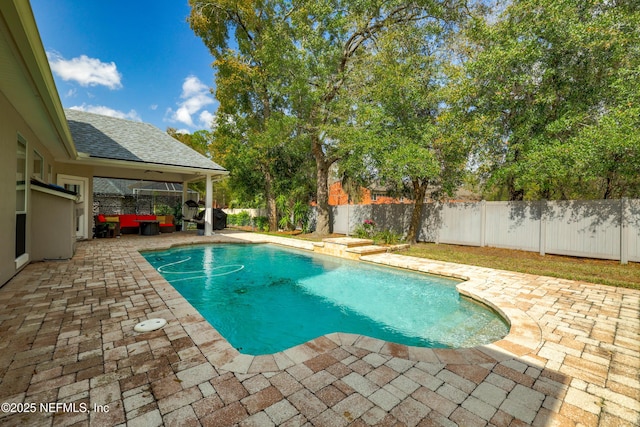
(189, 213)
(106, 226)
(190, 210)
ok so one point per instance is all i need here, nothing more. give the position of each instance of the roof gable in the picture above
(118, 139)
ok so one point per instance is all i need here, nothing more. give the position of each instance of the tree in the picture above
(241, 150)
(557, 79)
(328, 38)
(408, 109)
(297, 58)
(201, 141)
(243, 37)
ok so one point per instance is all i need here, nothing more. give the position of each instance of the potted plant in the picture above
(177, 216)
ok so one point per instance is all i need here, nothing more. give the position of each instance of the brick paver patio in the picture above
(69, 355)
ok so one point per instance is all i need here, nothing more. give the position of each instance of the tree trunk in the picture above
(419, 191)
(323, 225)
(271, 201)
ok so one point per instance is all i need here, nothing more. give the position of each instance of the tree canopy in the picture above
(558, 79)
(539, 99)
(408, 130)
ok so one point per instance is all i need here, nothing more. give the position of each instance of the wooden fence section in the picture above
(606, 229)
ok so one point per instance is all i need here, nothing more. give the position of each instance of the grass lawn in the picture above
(584, 269)
(605, 272)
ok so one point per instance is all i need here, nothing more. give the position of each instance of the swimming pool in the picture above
(264, 299)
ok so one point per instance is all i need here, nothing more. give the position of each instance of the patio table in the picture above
(149, 227)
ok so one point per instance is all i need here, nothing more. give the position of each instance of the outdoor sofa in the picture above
(127, 224)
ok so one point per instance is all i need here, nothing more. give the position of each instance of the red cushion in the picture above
(101, 218)
(128, 220)
(146, 217)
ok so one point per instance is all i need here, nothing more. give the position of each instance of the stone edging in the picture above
(524, 336)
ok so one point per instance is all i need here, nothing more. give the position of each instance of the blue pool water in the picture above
(264, 299)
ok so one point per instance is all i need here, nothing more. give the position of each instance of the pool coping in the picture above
(524, 336)
(67, 331)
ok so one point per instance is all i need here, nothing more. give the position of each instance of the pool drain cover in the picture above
(149, 325)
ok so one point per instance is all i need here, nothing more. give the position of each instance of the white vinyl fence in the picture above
(252, 212)
(607, 229)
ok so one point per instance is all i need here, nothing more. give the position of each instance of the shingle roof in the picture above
(111, 138)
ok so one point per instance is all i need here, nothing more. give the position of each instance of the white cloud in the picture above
(85, 71)
(206, 119)
(154, 107)
(106, 111)
(196, 96)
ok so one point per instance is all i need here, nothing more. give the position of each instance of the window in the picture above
(21, 197)
(38, 165)
(21, 176)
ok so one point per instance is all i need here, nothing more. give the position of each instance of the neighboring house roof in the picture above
(118, 139)
(125, 187)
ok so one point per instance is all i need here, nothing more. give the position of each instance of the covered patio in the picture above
(48, 153)
(109, 147)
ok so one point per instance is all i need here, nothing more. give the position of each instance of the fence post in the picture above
(483, 223)
(624, 232)
(543, 227)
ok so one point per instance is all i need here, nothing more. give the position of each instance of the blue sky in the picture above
(134, 59)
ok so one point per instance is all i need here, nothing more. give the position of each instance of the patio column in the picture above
(208, 213)
(185, 194)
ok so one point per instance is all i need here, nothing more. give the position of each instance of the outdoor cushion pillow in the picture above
(101, 218)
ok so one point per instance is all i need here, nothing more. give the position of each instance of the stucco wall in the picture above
(7, 191)
(12, 124)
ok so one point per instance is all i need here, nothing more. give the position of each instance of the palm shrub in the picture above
(240, 219)
(301, 216)
(387, 237)
(365, 230)
(261, 223)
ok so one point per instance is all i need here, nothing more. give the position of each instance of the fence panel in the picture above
(461, 224)
(252, 212)
(632, 217)
(513, 225)
(340, 219)
(347, 217)
(588, 228)
(393, 217)
(576, 228)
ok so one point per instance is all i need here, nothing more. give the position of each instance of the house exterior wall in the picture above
(13, 124)
(7, 190)
(337, 197)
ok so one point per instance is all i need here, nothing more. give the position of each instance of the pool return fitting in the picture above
(150, 325)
